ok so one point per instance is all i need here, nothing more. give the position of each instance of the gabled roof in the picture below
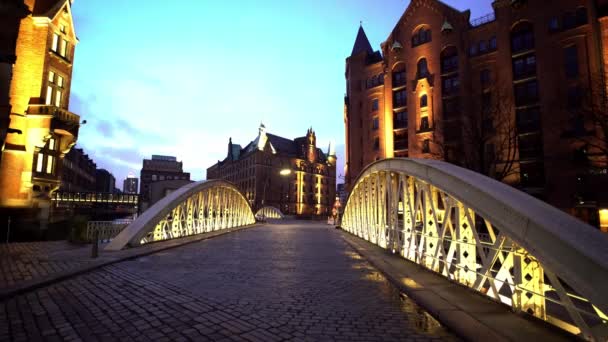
(362, 43)
(283, 145)
(47, 7)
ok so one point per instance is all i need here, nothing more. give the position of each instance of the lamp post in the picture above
(283, 173)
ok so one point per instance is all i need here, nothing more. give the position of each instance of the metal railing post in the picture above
(95, 246)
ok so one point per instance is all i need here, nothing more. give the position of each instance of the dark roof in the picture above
(283, 145)
(46, 7)
(362, 43)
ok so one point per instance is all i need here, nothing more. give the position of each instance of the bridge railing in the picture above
(106, 230)
(487, 236)
(194, 208)
(94, 197)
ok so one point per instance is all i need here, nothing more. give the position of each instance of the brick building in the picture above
(292, 175)
(79, 172)
(11, 13)
(104, 181)
(159, 168)
(505, 95)
(31, 165)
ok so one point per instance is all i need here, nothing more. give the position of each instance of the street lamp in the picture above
(283, 173)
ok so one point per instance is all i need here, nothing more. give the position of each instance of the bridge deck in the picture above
(297, 281)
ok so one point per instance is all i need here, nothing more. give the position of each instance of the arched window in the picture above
(423, 69)
(449, 60)
(522, 37)
(424, 101)
(423, 35)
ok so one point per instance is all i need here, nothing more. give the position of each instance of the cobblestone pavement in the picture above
(271, 283)
(23, 261)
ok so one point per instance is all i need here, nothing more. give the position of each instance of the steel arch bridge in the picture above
(195, 208)
(270, 212)
(488, 236)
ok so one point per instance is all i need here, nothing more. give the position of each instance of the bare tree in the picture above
(484, 140)
(587, 122)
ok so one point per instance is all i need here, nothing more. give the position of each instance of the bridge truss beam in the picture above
(487, 236)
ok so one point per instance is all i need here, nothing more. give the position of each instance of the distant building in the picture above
(160, 189)
(30, 168)
(130, 185)
(292, 175)
(342, 194)
(159, 168)
(104, 181)
(518, 95)
(79, 172)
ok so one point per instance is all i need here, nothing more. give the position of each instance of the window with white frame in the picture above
(54, 89)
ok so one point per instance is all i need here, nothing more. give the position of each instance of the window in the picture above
(486, 103)
(473, 50)
(400, 120)
(569, 20)
(62, 28)
(493, 45)
(485, 76)
(424, 123)
(398, 78)
(483, 46)
(423, 101)
(571, 61)
(526, 93)
(64, 48)
(449, 60)
(451, 85)
(375, 124)
(553, 24)
(581, 16)
(54, 90)
(450, 108)
(423, 70)
(375, 105)
(530, 146)
(399, 98)
(376, 144)
(522, 38)
(46, 157)
(422, 36)
(400, 141)
(426, 146)
(55, 44)
(524, 66)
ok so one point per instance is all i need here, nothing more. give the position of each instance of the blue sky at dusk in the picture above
(181, 77)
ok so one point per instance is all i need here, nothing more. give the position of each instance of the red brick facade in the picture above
(445, 80)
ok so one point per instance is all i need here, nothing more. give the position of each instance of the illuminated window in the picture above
(64, 48)
(49, 164)
(39, 161)
(54, 90)
(55, 43)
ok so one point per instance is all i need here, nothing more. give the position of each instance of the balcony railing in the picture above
(488, 18)
(55, 111)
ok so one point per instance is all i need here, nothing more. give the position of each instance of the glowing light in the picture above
(604, 220)
(285, 172)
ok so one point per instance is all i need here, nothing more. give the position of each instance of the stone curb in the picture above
(110, 258)
(468, 314)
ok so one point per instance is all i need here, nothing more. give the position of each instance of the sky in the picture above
(180, 78)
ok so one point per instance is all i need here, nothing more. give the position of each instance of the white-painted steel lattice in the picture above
(193, 209)
(269, 212)
(488, 236)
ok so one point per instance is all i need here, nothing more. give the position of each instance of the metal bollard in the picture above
(95, 247)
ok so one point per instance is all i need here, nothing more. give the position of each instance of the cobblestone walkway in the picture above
(23, 261)
(271, 283)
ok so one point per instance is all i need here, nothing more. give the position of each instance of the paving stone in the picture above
(297, 281)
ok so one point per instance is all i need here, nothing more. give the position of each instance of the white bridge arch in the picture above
(192, 209)
(270, 212)
(488, 236)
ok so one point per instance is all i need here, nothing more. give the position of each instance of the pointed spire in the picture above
(362, 43)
